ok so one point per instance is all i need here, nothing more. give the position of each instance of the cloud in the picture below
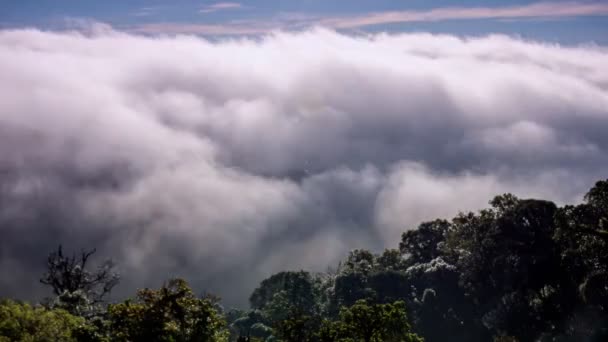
(205, 29)
(299, 21)
(221, 6)
(413, 193)
(226, 161)
(533, 10)
(147, 11)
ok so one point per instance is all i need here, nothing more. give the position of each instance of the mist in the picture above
(224, 161)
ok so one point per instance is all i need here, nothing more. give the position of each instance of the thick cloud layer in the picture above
(224, 162)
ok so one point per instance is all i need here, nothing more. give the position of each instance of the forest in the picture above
(519, 270)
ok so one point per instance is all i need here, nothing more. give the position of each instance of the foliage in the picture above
(421, 245)
(376, 323)
(521, 270)
(172, 313)
(21, 322)
(296, 288)
(288, 303)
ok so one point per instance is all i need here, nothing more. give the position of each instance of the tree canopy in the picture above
(519, 270)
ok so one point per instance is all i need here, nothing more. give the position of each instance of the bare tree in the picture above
(69, 274)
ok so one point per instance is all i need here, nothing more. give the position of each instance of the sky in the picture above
(571, 22)
(224, 142)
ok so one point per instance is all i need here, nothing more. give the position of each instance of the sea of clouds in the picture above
(224, 161)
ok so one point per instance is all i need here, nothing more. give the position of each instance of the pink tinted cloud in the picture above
(540, 10)
(221, 6)
(553, 10)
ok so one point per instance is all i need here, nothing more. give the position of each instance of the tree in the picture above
(289, 303)
(521, 270)
(76, 288)
(248, 324)
(172, 313)
(298, 288)
(422, 244)
(352, 280)
(20, 322)
(582, 236)
(291, 323)
(391, 260)
(359, 261)
(365, 322)
(509, 266)
(437, 299)
(348, 288)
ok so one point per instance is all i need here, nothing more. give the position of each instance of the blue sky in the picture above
(558, 21)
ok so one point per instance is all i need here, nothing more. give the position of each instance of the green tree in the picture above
(509, 266)
(172, 313)
(289, 303)
(351, 282)
(290, 322)
(582, 235)
(391, 260)
(248, 324)
(422, 244)
(298, 288)
(365, 322)
(21, 322)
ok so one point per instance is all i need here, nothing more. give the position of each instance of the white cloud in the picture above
(224, 161)
(413, 194)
